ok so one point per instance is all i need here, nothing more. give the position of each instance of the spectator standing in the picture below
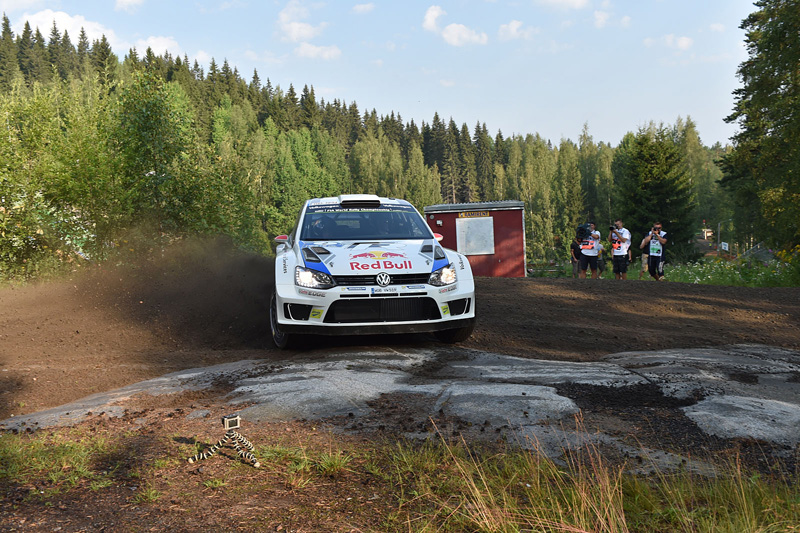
(654, 243)
(620, 239)
(575, 256)
(589, 251)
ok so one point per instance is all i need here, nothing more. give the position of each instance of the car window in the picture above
(335, 223)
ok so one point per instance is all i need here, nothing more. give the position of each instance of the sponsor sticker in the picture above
(414, 287)
(354, 289)
(473, 214)
(316, 313)
(445, 310)
(447, 289)
(311, 293)
(383, 290)
(379, 260)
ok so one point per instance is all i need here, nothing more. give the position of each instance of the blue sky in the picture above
(520, 66)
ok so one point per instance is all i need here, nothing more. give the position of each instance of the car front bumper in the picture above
(374, 310)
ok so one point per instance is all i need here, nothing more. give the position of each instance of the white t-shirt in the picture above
(622, 249)
(589, 245)
(656, 248)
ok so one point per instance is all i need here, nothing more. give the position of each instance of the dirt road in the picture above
(206, 305)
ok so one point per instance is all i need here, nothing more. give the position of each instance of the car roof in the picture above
(352, 199)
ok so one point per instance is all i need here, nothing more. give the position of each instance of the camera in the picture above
(612, 228)
(584, 232)
(231, 421)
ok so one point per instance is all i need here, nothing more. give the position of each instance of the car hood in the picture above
(348, 258)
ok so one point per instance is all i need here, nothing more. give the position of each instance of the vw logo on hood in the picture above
(383, 279)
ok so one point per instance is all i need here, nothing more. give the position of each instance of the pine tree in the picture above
(69, 57)
(653, 187)
(766, 155)
(104, 61)
(9, 63)
(291, 108)
(309, 111)
(450, 165)
(568, 197)
(467, 180)
(484, 167)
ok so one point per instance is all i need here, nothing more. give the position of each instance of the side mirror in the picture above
(438, 237)
(283, 243)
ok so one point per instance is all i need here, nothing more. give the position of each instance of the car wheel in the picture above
(281, 339)
(451, 336)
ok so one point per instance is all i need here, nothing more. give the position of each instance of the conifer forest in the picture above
(102, 156)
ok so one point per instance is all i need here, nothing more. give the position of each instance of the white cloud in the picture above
(363, 8)
(625, 21)
(447, 83)
(72, 24)
(515, 30)
(717, 27)
(317, 52)
(431, 15)
(127, 5)
(670, 41)
(601, 18)
(681, 43)
(453, 34)
(202, 57)
(377, 62)
(159, 45)
(459, 35)
(290, 23)
(565, 4)
(265, 57)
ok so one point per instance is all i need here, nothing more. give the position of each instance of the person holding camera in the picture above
(655, 241)
(620, 239)
(589, 249)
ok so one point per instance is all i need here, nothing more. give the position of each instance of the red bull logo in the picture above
(379, 260)
(378, 255)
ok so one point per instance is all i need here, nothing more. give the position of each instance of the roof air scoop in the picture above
(359, 200)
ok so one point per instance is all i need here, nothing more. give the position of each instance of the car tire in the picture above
(451, 336)
(281, 339)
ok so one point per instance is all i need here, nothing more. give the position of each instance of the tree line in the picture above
(101, 156)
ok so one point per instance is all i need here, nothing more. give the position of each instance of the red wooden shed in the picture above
(490, 234)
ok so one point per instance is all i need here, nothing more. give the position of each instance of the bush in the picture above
(781, 272)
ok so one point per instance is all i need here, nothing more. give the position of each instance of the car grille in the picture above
(382, 310)
(397, 279)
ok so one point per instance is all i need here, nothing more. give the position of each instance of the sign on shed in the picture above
(490, 234)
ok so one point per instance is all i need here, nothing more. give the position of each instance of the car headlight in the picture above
(444, 276)
(313, 279)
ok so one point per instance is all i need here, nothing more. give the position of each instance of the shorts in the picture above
(620, 264)
(655, 265)
(589, 261)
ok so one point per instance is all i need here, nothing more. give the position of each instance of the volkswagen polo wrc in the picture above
(362, 264)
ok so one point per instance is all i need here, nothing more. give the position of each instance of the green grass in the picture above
(740, 273)
(442, 486)
(58, 461)
(454, 488)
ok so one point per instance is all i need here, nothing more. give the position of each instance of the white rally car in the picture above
(361, 264)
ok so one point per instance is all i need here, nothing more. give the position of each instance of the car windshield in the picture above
(336, 223)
